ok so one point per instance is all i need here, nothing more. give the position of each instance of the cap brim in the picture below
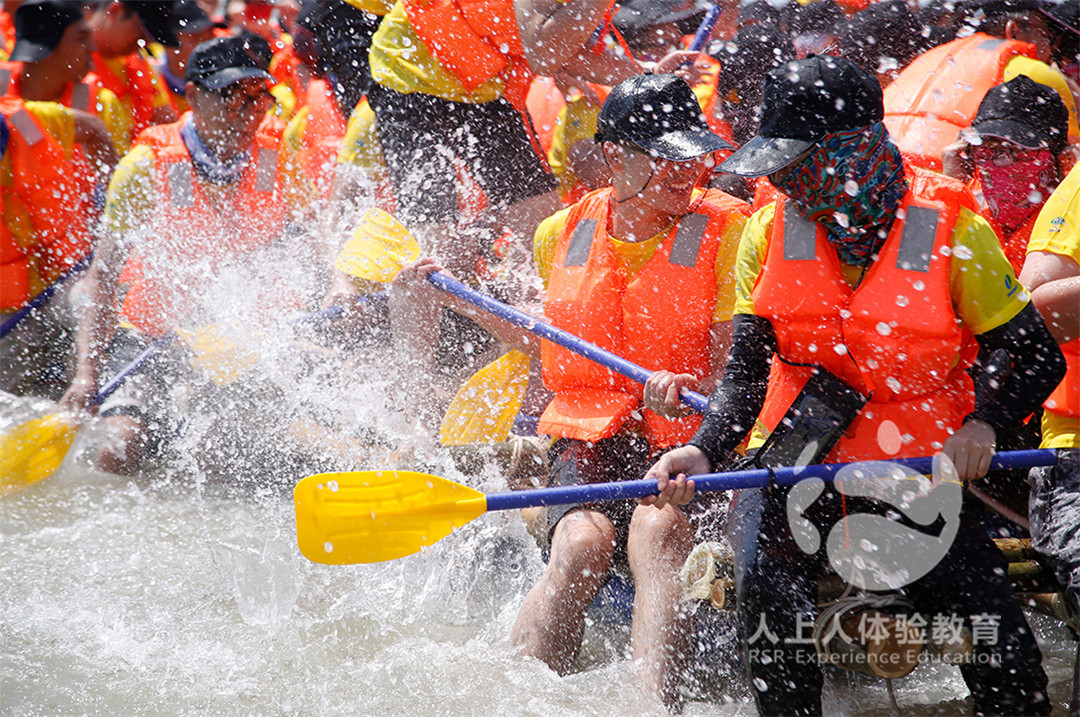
(765, 155)
(27, 51)
(683, 145)
(230, 76)
(1013, 131)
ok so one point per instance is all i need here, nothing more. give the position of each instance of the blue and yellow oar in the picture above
(373, 516)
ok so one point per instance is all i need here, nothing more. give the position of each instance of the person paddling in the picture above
(861, 286)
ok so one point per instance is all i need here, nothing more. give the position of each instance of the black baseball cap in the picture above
(803, 102)
(218, 63)
(39, 26)
(634, 16)
(156, 17)
(1023, 112)
(1066, 13)
(190, 19)
(659, 114)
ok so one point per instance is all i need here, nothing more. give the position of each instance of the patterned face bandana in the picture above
(1015, 191)
(851, 183)
(206, 163)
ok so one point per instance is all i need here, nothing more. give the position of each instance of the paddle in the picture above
(43, 297)
(558, 336)
(372, 516)
(705, 28)
(473, 417)
(33, 450)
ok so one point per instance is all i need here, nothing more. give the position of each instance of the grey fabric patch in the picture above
(27, 127)
(800, 235)
(181, 192)
(80, 96)
(684, 250)
(266, 170)
(577, 254)
(917, 241)
(989, 45)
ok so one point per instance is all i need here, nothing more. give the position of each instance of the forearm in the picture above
(554, 33)
(501, 329)
(1036, 367)
(605, 69)
(736, 402)
(1059, 303)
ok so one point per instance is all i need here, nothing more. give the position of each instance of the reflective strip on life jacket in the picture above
(659, 320)
(894, 338)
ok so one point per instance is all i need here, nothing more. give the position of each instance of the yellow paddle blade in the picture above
(32, 451)
(222, 359)
(483, 409)
(379, 247)
(372, 516)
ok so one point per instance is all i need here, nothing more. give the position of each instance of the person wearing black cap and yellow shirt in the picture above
(190, 200)
(605, 261)
(124, 68)
(878, 277)
(60, 153)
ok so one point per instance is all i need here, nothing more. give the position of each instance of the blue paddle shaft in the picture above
(557, 336)
(732, 480)
(43, 297)
(706, 27)
(118, 380)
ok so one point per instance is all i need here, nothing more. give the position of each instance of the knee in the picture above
(659, 534)
(583, 544)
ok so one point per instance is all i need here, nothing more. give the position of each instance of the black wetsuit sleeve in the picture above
(738, 399)
(1027, 366)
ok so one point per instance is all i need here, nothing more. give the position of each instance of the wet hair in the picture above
(744, 61)
(883, 31)
(940, 20)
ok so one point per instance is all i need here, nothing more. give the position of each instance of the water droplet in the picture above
(328, 547)
(883, 328)
(840, 349)
(851, 187)
(918, 285)
(893, 384)
(332, 486)
(962, 252)
(902, 300)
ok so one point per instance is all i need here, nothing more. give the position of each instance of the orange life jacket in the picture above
(659, 319)
(895, 338)
(57, 200)
(1066, 397)
(188, 235)
(138, 85)
(323, 134)
(938, 94)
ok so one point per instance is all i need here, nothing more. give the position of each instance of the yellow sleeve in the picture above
(112, 114)
(985, 292)
(360, 147)
(1057, 229)
(284, 101)
(403, 63)
(750, 257)
(544, 240)
(293, 137)
(576, 123)
(162, 96)
(724, 269)
(57, 120)
(132, 195)
(1045, 75)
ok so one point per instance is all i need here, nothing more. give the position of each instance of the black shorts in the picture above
(421, 134)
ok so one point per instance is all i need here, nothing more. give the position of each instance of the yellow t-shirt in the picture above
(1057, 230)
(1045, 75)
(123, 123)
(401, 62)
(632, 257)
(985, 291)
(132, 194)
(576, 123)
(59, 121)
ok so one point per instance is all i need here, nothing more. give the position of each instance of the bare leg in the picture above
(657, 547)
(551, 621)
